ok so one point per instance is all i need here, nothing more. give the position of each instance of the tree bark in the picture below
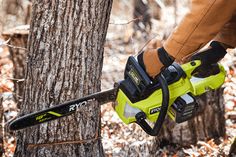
(64, 62)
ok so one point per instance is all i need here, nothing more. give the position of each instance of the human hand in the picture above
(209, 58)
(154, 60)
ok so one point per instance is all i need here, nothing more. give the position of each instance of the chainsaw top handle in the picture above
(141, 116)
(136, 84)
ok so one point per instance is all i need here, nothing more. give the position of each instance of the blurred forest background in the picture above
(132, 25)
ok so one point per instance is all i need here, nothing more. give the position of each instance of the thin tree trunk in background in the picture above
(142, 15)
(18, 43)
(64, 62)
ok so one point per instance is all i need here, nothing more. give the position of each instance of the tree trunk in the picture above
(142, 16)
(64, 62)
(18, 40)
(210, 123)
(143, 12)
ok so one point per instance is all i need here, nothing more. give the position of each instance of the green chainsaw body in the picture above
(184, 85)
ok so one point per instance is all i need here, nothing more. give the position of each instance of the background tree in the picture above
(18, 38)
(64, 62)
(143, 12)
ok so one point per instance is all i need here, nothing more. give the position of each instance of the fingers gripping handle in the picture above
(141, 116)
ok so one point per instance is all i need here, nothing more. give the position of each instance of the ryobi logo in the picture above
(155, 110)
(75, 107)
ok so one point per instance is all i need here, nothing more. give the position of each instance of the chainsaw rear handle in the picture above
(141, 116)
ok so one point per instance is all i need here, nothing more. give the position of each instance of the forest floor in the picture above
(120, 140)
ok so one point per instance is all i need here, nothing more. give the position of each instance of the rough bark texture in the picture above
(210, 123)
(64, 62)
(18, 40)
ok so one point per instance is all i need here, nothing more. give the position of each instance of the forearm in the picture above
(199, 26)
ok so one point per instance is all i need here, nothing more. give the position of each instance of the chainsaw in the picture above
(140, 99)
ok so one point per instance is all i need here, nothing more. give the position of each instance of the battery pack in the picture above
(184, 108)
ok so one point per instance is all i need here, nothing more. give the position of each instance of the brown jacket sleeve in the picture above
(204, 21)
(227, 34)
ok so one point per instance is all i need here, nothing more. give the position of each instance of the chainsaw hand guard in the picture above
(141, 116)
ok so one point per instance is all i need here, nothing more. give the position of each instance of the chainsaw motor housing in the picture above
(139, 96)
(138, 86)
